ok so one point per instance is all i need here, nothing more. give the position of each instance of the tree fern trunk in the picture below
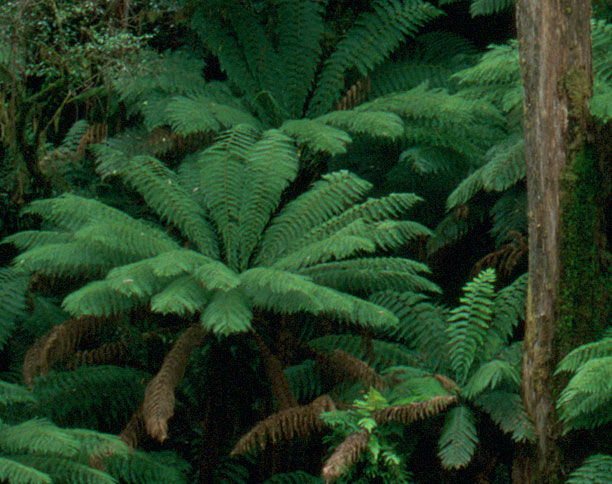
(555, 52)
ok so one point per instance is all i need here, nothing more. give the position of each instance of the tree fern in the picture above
(595, 469)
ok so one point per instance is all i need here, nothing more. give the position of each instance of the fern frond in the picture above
(298, 422)
(182, 296)
(489, 7)
(64, 470)
(227, 313)
(317, 136)
(38, 436)
(158, 402)
(147, 468)
(574, 360)
(11, 394)
(422, 325)
(345, 455)
(300, 30)
(369, 123)
(340, 365)
(189, 115)
(458, 438)
(507, 410)
(414, 411)
(371, 275)
(596, 469)
(13, 287)
(469, 322)
(589, 391)
(271, 164)
(490, 375)
(159, 186)
(101, 299)
(328, 197)
(221, 169)
(304, 380)
(291, 293)
(15, 472)
(372, 38)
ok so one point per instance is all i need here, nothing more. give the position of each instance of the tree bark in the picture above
(556, 69)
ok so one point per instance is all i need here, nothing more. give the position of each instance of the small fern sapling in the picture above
(466, 351)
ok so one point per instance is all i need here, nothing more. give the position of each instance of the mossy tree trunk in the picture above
(563, 212)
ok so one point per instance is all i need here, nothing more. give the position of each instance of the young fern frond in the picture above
(228, 312)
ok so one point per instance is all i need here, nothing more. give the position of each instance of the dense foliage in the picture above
(200, 289)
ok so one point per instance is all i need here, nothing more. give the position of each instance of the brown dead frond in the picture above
(505, 258)
(414, 411)
(135, 430)
(293, 423)
(158, 401)
(59, 344)
(356, 94)
(115, 353)
(276, 376)
(94, 134)
(345, 456)
(447, 383)
(340, 365)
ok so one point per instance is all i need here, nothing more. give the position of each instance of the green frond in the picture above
(270, 166)
(367, 43)
(30, 239)
(136, 240)
(372, 275)
(71, 259)
(588, 392)
(291, 293)
(379, 354)
(95, 397)
(509, 215)
(231, 471)
(584, 353)
(14, 472)
(218, 38)
(434, 117)
(222, 182)
(470, 321)
(188, 115)
(100, 298)
(98, 445)
(64, 470)
(169, 73)
(422, 325)
(70, 212)
(296, 477)
(596, 469)
(433, 58)
(509, 304)
(183, 296)
(506, 166)
(227, 313)
(601, 102)
(147, 468)
(458, 438)
(159, 186)
(13, 287)
(300, 30)
(506, 410)
(11, 393)
(346, 242)
(601, 36)
(317, 136)
(304, 380)
(490, 375)
(489, 7)
(216, 275)
(38, 437)
(451, 229)
(328, 197)
(369, 123)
